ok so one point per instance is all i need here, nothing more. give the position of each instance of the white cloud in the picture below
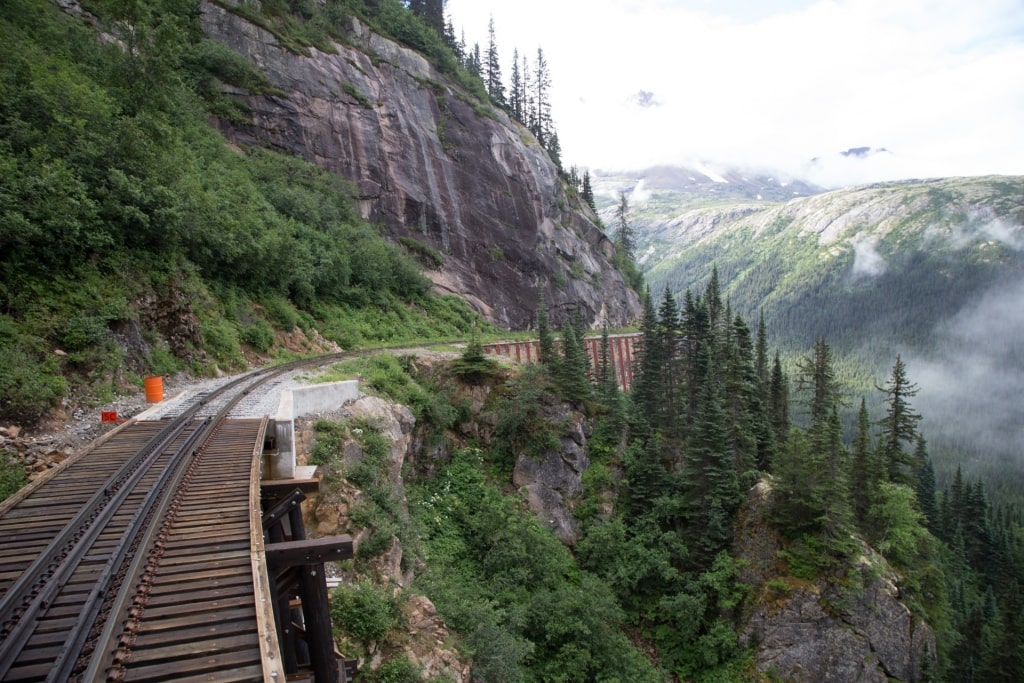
(867, 262)
(774, 84)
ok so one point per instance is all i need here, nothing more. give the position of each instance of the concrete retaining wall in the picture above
(316, 398)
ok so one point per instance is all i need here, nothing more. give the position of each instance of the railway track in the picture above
(134, 562)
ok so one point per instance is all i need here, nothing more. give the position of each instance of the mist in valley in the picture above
(972, 383)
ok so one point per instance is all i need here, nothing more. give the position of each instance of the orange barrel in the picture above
(154, 389)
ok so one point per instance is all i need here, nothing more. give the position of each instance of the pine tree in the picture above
(516, 96)
(588, 191)
(669, 332)
(457, 47)
(543, 124)
(495, 87)
(572, 370)
(817, 380)
(529, 102)
(554, 148)
(713, 298)
(647, 359)
(712, 488)
(864, 476)
(625, 239)
(473, 64)
(899, 425)
(778, 403)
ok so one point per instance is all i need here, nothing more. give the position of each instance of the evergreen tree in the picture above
(697, 340)
(572, 370)
(554, 148)
(588, 191)
(711, 493)
(608, 392)
(529, 101)
(669, 336)
(647, 360)
(817, 380)
(899, 425)
(761, 357)
(864, 476)
(625, 239)
(516, 94)
(457, 47)
(836, 519)
(495, 87)
(713, 299)
(542, 124)
(778, 403)
(473, 63)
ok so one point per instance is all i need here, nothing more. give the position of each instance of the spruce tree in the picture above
(864, 476)
(647, 360)
(495, 87)
(543, 124)
(669, 332)
(588, 191)
(712, 488)
(625, 239)
(778, 403)
(516, 96)
(899, 425)
(572, 369)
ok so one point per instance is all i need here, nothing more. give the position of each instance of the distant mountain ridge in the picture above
(932, 270)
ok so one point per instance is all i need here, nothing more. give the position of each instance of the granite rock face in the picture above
(554, 481)
(831, 629)
(434, 165)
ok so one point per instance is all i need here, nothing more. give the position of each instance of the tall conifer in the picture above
(899, 425)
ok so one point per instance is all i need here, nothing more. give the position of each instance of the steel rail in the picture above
(25, 601)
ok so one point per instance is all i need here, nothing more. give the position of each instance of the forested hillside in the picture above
(925, 269)
(711, 533)
(134, 239)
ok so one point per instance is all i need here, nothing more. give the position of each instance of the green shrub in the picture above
(259, 335)
(30, 383)
(363, 611)
(222, 342)
(329, 437)
(12, 475)
(395, 670)
(430, 258)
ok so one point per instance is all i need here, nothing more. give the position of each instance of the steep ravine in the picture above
(432, 165)
(850, 628)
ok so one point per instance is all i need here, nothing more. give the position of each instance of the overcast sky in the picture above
(775, 83)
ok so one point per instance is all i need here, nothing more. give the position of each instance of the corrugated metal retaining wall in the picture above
(622, 347)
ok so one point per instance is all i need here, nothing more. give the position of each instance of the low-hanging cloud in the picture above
(867, 262)
(971, 385)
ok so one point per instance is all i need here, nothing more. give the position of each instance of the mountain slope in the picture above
(932, 270)
(433, 164)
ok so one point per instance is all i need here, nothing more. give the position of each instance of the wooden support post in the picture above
(313, 591)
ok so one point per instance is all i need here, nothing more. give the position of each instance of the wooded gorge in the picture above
(709, 510)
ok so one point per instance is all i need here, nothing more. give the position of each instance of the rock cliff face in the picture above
(850, 629)
(435, 166)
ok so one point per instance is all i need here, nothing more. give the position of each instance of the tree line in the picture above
(713, 411)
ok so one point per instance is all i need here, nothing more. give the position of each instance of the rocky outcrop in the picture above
(850, 629)
(552, 481)
(434, 165)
